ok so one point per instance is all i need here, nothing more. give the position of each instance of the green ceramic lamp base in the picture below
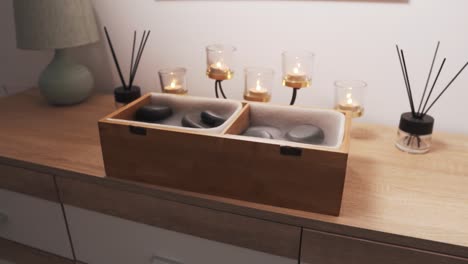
(64, 82)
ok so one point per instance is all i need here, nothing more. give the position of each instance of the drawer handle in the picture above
(161, 260)
(3, 218)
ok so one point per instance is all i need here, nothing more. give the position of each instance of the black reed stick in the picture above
(294, 95)
(445, 89)
(432, 88)
(136, 58)
(137, 63)
(221, 89)
(216, 89)
(115, 59)
(409, 85)
(133, 55)
(404, 74)
(428, 78)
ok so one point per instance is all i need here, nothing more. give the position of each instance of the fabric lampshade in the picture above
(54, 24)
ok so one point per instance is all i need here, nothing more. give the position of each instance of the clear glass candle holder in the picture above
(298, 69)
(415, 133)
(258, 84)
(173, 80)
(219, 59)
(349, 96)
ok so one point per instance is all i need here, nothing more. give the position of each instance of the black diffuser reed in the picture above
(128, 92)
(417, 124)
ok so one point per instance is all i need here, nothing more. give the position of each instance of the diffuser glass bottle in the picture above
(415, 133)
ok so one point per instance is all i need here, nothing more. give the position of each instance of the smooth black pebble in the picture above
(193, 120)
(306, 134)
(153, 113)
(257, 132)
(212, 119)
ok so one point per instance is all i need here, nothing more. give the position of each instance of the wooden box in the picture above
(273, 172)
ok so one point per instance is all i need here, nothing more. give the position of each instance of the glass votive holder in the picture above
(415, 133)
(173, 80)
(258, 84)
(297, 69)
(349, 96)
(219, 59)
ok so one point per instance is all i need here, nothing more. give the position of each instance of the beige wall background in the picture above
(352, 40)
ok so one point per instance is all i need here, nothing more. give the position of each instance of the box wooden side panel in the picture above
(127, 112)
(238, 169)
(347, 135)
(241, 123)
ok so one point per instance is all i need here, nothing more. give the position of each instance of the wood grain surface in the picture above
(61, 137)
(419, 201)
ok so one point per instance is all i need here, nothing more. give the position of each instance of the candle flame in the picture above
(173, 83)
(258, 87)
(349, 99)
(296, 69)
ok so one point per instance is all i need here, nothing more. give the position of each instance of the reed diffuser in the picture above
(128, 92)
(415, 129)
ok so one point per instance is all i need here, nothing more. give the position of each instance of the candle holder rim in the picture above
(220, 47)
(175, 70)
(341, 84)
(298, 53)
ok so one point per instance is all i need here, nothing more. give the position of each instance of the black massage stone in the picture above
(153, 113)
(309, 134)
(193, 120)
(257, 132)
(212, 119)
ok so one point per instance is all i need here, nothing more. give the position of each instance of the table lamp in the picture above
(58, 25)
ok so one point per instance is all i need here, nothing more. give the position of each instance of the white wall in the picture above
(352, 39)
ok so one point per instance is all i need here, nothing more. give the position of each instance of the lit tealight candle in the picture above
(297, 79)
(350, 105)
(257, 93)
(174, 88)
(219, 71)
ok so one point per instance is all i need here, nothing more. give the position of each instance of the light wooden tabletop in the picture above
(420, 196)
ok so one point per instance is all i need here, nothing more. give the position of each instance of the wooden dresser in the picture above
(397, 207)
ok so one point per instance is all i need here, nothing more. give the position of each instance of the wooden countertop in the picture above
(389, 195)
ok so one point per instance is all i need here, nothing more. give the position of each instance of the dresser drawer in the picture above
(34, 222)
(28, 182)
(100, 238)
(325, 248)
(14, 253)
(142, 206)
